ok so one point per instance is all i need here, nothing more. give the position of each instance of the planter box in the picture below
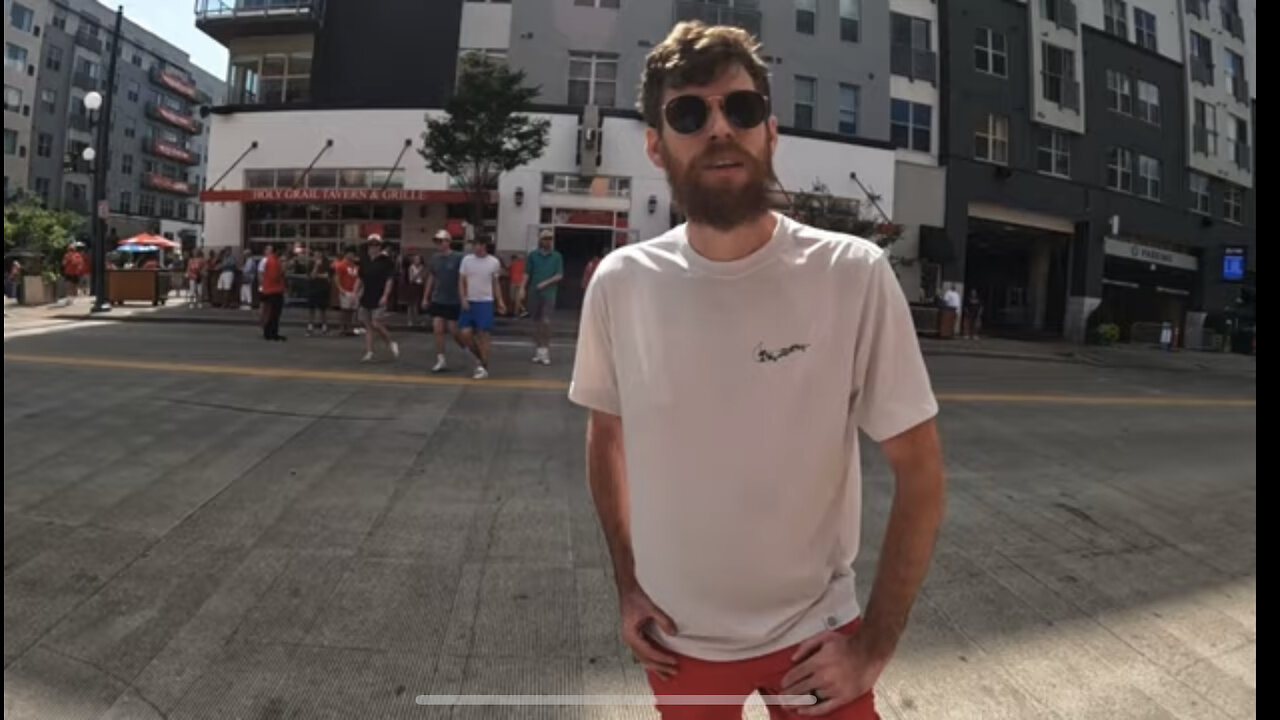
(36, 291)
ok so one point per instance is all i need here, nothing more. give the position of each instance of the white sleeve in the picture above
(892, 389)
(595, 384)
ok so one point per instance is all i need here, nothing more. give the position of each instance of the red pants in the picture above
(742, 678)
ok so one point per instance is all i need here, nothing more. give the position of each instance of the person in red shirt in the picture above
(74, 270)
(273, 288)
(346, 273)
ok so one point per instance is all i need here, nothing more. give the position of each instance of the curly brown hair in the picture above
(694, 53)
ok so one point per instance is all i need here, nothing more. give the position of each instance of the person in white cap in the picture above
(444, 304)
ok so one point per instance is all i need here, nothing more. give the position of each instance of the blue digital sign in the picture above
(1233, 264)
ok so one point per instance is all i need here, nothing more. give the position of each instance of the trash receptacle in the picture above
(946, 323)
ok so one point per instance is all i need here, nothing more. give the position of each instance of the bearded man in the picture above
(728, 367)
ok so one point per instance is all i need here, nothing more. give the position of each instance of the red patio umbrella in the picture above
(150, 240)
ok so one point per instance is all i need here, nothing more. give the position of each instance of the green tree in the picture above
(486, 131)
(819, 208)
(29, 226)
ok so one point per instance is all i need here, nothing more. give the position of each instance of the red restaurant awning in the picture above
(348, 195)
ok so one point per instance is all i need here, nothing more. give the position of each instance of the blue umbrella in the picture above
(132, 247)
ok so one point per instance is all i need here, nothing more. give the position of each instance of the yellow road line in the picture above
(560, 386)
(285, 372)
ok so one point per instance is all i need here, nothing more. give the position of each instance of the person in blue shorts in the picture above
(479, 291)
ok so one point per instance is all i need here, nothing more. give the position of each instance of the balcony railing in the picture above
(915, 63)
(1200, 139)
(746, 17)
(1064, 14)
(164, 183)
(1234, 24)
(175, 82)
(1068, 94)
(80, 122)
(1240, 89)
(84, 81)
(168, 115)
(170, 151)
(225, 20)
(1242, 155)
(1202, 72)
(90, 42)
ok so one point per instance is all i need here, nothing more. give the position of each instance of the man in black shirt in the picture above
(376, 274)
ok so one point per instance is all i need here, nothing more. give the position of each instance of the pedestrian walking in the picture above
(479, 290)
(376, 276)
(444, 304)
(544, 270)
(729, 367)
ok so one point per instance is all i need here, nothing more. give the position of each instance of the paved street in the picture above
(199, 524)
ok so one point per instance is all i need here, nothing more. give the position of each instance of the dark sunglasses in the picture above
(744, 109)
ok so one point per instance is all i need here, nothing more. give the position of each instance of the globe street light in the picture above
(93, 101)
(89, 154)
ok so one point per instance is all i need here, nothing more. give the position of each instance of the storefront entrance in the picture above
(1020, 274)
(579, 236)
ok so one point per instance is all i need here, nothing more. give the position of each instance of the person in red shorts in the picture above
(729, 367)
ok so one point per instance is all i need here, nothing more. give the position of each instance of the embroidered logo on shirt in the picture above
(764, 355)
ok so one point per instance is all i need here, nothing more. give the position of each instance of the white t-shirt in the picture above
(480, 272)
(742, 386)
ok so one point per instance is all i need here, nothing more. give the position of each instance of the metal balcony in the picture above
(748, 18)
(85, 81)
(1242, 155)
(1234, 24)
(1240, 89)
(915, 63)
(1202, 72)
(226, 20)
(163, 183)
(168, 115)
(80, 122)
(171, 151)
(175, 82)
(1063, 13)
(1200, 139)
(89, 42)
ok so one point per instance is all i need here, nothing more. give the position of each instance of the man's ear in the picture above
(652, 146)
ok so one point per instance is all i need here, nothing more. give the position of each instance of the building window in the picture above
(1117, 18)
(1059, 12)
(847, 118)
(44, 145)
(15, 57)
(1149, 102)
(49, 100)
(613, 4)
(1059, 76)
(1238, 140)
(991, 141)
(1148, 177)
(54, 60)
(1201, 59)
(133, 91)
(10, 142)
(1231, 21)
(1205, 129)
(146, 204)
(1119, 92)
(806, 16)
(87, 67)
(21, 17)
(850, 20)
(911, 125)
(12, 99)
(1233, 204)
(1120, 169)
(1234, 66)
(1053, 154)
(126, 164)
(1144, 29)
(59, 19)
(806, 98)
(136, 60)
(1199, 185)
(130, 128)
(126, 201)
(166, 207)
(270, 79)
(990, 52)
(593, 79)
(42, 187)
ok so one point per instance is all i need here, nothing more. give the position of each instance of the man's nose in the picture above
(717, 124)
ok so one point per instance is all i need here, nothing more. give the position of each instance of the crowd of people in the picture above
(457, 294)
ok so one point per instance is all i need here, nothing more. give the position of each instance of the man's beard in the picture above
(721, 207)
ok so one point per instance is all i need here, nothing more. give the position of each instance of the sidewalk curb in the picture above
(501, 326)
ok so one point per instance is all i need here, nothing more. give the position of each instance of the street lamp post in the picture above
(92, 102)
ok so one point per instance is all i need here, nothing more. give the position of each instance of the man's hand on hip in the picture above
(834, 668)
(639, 613)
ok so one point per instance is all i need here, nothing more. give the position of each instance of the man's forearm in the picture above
(607, 478)
(909, 542)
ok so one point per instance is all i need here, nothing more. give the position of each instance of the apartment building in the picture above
(158, 141)
(1099, 163)
(24, 27)
(342, 87)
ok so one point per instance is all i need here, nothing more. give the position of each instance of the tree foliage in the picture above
(819, 208)
(29, 226)
(486, 131)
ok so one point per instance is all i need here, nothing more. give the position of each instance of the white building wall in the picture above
(373, 138)
(485, 26)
